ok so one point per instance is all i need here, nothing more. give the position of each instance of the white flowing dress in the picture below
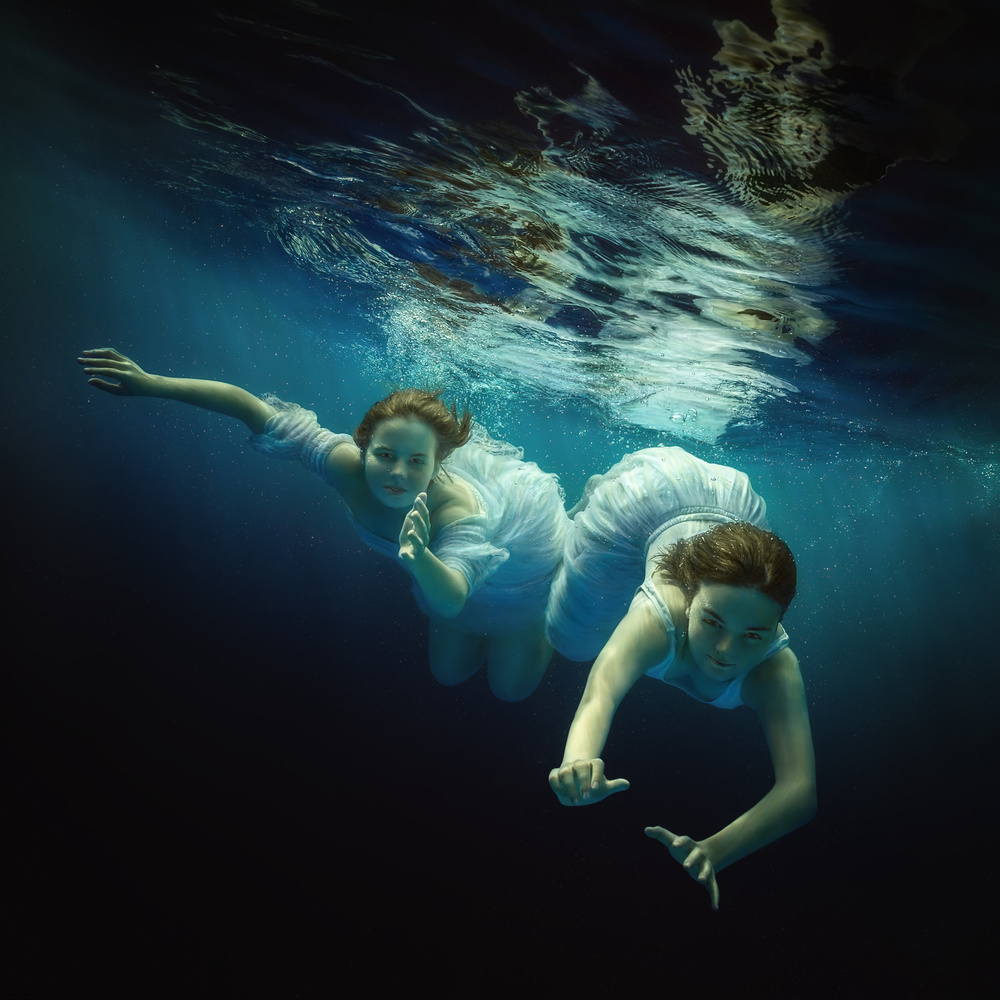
(508, 553)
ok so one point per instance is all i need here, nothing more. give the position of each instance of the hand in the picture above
(109, 363)
(415, 535)
(692, 856)
(582, 782)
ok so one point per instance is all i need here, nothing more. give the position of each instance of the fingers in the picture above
(566, 783)
(113, 387)
(694, 864)
(678, 846)
(582, 782)
(419, 516)
(106, 363)
(572, 782)
(693, 858)
(615, 785)
(415, 535)
(704, 871)
(596, 772)
(713, 891)
(115, 369)
(106, 355)
(665, 837)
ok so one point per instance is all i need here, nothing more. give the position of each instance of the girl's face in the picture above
(400, 461)
(730, 628)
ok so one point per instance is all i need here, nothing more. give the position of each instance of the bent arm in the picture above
(130, 380)
(444, 588)
(776, 692)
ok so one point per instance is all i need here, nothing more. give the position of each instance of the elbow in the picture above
(808, 804)
(798, 803)
(450, 609)
(449, 601)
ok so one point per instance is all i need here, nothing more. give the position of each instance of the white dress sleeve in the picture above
(463, 546)
(294, 433)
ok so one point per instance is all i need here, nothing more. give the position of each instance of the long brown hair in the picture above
(737, 553)
(451, 430)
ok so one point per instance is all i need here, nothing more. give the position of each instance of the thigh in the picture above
(516, 662)
(454, 656)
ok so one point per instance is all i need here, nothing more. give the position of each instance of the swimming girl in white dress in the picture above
(479, 530)
(713, 585)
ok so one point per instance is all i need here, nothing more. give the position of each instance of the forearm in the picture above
(219, 397)
(590, 727)
(783, 809)
(444, 588)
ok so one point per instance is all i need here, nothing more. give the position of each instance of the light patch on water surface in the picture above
(582, 253)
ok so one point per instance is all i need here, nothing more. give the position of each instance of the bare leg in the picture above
(517, 661)
(455, 656)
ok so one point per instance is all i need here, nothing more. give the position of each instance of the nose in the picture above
(398, 469)
(723, 645)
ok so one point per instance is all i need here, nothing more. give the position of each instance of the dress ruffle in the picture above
(294, 433)
(644, 504)
(511, 551)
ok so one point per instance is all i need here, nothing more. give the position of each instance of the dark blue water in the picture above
(603, 226)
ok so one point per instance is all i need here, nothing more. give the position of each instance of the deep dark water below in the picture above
(233, 773)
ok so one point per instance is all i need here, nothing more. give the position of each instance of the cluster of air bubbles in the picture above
(684, 416)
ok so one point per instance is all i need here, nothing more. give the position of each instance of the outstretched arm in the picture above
(776, 692)
(104, 364)
(638, 643)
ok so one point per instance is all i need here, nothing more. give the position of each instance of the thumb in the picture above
(661, 834)
(616, 785)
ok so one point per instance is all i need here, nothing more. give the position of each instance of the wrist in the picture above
(152, 385)
(416, 562)
(713, 849)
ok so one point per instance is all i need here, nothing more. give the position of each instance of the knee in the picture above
(448, 675)
(503, 690)
(514, 679)
(456, 663)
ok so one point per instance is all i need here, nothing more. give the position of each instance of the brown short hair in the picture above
(737, 553)
(451, 430)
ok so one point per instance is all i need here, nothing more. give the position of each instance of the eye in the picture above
(711, 621)
(753, 637)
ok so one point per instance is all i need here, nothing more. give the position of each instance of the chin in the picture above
(729, 670)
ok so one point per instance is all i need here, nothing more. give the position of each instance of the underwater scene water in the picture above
(760, 231)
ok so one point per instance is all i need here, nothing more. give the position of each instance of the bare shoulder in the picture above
(640, 639)
(778, 679)
(450, 499)
(343, 468)
(673, 597)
